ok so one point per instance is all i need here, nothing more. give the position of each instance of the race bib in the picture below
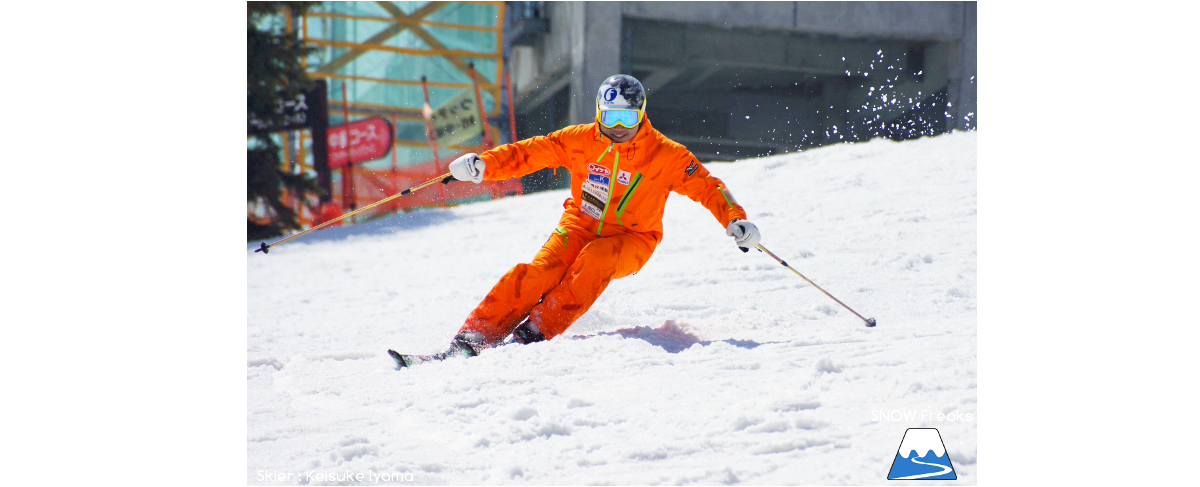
(595, 191)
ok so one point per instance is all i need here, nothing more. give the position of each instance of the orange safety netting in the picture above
(372, 185)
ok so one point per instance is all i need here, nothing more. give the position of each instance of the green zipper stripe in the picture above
(602, 154)
(562, 231)
(725, 193)
(628, 191)
(608, 199)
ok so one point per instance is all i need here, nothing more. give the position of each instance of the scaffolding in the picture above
(373, 56)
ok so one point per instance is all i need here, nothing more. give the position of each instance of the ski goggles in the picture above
(625, 117)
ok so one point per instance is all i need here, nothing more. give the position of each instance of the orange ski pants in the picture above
(563, 280)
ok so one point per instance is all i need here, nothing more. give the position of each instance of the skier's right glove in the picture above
(744, 234)
(469, 167)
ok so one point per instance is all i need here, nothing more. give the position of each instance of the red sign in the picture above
(367, 139)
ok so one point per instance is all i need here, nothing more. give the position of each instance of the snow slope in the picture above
(709, 366)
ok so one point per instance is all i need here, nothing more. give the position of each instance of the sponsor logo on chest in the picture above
(594, 168)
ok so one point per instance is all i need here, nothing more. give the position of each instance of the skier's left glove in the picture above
(744, 234)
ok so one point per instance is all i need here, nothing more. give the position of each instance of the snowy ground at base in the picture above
(709, 366)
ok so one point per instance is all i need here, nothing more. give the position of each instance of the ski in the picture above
(411, 360)
(403, 360)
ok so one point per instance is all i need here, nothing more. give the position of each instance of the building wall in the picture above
(596, 55)
(965, 90)
(932, 20)
(588, 41)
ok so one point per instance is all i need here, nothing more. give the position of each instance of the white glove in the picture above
(469, 167)
(744, 234)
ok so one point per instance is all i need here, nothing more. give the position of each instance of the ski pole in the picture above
(445, 179)
(870, 321)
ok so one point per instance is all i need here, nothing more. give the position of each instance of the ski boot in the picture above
(467, 343)
(527, 333)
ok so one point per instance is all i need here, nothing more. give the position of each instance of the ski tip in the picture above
(400, 362)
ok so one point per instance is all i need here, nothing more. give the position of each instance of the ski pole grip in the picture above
(448, 179)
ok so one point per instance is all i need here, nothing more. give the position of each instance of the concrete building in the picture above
(742, 79)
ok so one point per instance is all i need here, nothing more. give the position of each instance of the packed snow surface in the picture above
(709, 366)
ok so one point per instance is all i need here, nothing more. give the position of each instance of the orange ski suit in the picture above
(612, 222)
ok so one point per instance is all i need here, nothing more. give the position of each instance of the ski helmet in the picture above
(620, 100)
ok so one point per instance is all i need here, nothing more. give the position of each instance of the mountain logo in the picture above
(922, 455)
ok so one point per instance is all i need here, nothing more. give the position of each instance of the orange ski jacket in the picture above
(622, 184)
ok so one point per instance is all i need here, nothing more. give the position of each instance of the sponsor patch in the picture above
(598, 203)
(597, 190)
(591, 210)
(623, 177)
(598, 179)
(692, 167)
(598, 169)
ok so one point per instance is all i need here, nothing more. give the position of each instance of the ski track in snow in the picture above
(709, 366)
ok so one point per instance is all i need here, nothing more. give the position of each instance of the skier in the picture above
(622, 170)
